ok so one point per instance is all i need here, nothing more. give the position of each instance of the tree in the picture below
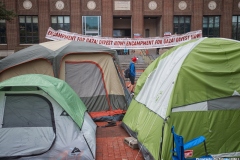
(5, 14)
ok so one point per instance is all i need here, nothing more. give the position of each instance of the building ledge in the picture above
(5, 53)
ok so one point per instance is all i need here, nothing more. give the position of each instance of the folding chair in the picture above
(180, 147)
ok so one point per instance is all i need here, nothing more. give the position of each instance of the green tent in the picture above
(195, 88)
(41, 117)
(57, 89)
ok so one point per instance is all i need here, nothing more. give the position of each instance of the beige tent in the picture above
(92, 70)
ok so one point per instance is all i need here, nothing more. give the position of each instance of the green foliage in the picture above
(5, 14)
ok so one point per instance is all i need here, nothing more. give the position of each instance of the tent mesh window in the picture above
(27, 111)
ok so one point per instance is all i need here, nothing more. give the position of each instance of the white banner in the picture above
(129, 43)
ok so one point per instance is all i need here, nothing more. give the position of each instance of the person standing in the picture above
(132, 74)
(125, 51)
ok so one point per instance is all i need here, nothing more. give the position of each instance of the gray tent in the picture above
(41, 117)
(92, 70)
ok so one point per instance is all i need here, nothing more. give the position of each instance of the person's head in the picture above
(134, 59)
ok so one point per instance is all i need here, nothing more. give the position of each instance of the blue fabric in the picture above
(194, 142)
(208, 157)
(132, 69)
(175, 158)
(125, 50)
(178, 152)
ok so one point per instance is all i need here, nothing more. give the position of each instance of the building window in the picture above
(3, 37)
(28, 29)
(91, 25)
(60, 22)
(236, 27)
(181, 24)
(211, 26)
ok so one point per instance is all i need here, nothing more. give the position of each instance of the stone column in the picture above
(76, 18)
(167, 17)
(197, 15)
(107, 18)
(12, 28)
(43, 19)
(226, 19)
(137, 17)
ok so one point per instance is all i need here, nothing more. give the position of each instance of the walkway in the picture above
(111, 146)
(110, 140)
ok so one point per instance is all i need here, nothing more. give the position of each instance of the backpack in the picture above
(127, 73)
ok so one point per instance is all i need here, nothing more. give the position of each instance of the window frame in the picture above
(181, 27)
(64, 25)
(236, 33)
(93, 32)
(211, 23)
(27, 29)
(3, 32)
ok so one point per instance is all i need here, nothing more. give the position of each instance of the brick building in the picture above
(117, 18)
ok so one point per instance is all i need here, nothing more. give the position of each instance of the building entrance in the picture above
(122, 29)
